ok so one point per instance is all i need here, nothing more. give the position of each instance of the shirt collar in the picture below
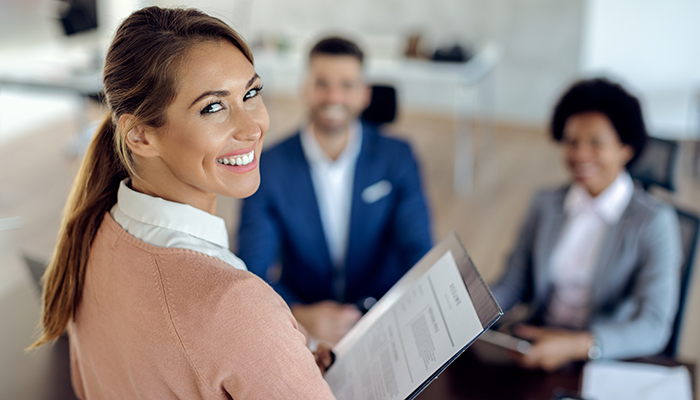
(315, 154)
(608, 205)
(170, 215)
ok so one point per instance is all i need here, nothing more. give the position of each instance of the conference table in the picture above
(470, 377)
(45, 374)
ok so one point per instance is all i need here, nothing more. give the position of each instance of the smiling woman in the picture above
(598, 259)
(155, 304)
(216, 115)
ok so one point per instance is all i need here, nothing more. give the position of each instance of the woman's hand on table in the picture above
(552, 348)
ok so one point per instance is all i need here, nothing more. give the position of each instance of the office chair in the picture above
(657, 164)
(690, 233)
(382, 107)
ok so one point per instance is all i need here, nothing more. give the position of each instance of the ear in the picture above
(627, 154)
(367, 96)
(141, 139)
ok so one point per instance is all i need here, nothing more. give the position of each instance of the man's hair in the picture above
(609, 98)
(337, 46)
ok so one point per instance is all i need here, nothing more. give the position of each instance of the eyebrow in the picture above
(222, 93)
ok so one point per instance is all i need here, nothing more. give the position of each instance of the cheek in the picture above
(613, 159)
(261, 118)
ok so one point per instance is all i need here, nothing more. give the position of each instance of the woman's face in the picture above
(593, 151)
(210, 144)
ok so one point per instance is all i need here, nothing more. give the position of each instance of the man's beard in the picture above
(331, 119)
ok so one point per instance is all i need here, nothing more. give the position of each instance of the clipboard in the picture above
(416, 330)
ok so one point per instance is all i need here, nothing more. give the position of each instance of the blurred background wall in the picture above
(535, 66)
(650, 45)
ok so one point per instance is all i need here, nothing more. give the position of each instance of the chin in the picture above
(247, 188)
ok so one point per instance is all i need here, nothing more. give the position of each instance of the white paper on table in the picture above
(414, 332)
(617, 380)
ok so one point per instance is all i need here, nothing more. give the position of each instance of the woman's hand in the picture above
(552, 348)
(324, 356)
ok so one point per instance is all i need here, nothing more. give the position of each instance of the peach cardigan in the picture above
(166, 323)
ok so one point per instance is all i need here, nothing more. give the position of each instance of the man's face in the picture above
(335, 92)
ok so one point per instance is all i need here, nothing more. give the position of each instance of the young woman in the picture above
(597, 260)
(155, 304)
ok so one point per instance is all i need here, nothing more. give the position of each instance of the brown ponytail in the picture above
(94, 192)
(140, 79)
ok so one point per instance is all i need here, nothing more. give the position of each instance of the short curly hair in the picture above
(609, 98)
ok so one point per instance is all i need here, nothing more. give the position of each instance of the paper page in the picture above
(616, 380)
(428, 324)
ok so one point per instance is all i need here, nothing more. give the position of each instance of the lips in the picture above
(334, 112)
(584, 171)
(239, 160)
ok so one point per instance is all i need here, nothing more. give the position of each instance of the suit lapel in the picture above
(610, 255)
(358, 224)
(552, 226)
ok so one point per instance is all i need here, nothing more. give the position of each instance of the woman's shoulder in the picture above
(643, 202)
(232, 325)
(550, 197)
(652, 212)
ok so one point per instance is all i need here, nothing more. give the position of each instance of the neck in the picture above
(333, 143)
(202, 202)
(595, 190)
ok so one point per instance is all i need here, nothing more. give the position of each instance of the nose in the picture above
(250, 125)
(579, 153)
(334, 94)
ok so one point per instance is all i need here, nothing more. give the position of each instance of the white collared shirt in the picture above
(577, 253)
(165, 223)
(333, 182)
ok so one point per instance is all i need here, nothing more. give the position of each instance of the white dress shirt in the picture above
(333, 181)
(165, 223)
(576, 255)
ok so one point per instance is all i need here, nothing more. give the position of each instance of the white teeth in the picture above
(243, 159)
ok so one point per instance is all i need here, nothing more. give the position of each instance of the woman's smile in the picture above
(239, 161)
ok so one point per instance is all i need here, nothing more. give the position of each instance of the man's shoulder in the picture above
(281, 154)
(386, 143)
(291, 144)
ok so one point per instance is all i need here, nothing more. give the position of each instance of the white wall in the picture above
(540, 38)
(653, 47)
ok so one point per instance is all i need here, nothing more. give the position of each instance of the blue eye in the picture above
(212, 108)
(253, 92)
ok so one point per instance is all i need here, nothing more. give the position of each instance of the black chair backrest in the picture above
(690, 234)
(382, 107)
(657, 164)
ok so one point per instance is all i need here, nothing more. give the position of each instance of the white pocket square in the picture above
(376, 191)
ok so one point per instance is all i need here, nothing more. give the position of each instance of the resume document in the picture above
(422, 324)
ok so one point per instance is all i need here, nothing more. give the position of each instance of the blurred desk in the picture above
(463, 91)
(63, 70)
(72, 67)
(470, 379)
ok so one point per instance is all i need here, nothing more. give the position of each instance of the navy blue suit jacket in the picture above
(281, 222)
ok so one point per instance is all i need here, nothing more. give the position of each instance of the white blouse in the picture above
(575, 256)
(165, 223)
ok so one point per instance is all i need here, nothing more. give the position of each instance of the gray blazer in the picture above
(635, 287)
